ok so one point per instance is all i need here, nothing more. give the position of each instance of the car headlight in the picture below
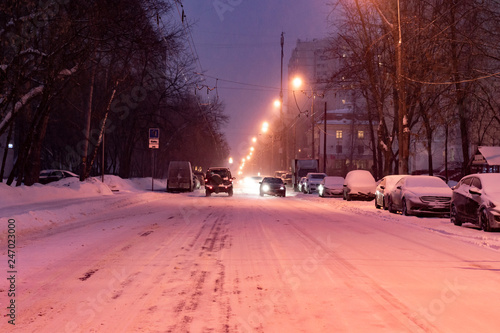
(282, 187)
(265, 187)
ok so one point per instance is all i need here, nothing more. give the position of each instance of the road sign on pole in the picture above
(154, 138)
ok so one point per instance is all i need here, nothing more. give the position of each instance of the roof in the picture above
(490, 154)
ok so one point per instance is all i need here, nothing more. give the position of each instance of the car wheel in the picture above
(261, 193)
(384, 204)
(404, 210)
(207, 193)
(348, 197)
(484, 221)
(454, 218)
(304, 190)
(230, 192)
(376, 204)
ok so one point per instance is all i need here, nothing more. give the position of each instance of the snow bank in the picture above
(63, 189)
(45, 206)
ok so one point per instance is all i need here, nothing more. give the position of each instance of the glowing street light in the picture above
(297, 82)
(277, 103)
(265, 127)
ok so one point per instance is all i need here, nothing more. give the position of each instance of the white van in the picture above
(180, 177)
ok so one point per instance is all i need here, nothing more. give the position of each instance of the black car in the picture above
(272, 186)
(49, 176)
(218, 180)
(476, 199)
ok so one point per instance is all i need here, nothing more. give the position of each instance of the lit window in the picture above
(339, 134)
(361, 134)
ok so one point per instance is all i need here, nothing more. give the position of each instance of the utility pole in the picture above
(324, 141)
(312, 124)
(283, 134)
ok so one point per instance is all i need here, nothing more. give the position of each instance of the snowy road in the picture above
(161, 262)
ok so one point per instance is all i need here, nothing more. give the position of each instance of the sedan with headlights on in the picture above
(272, 186)
(420, 195)
(331, 186)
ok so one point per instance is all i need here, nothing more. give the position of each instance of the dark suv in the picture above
(218, 180)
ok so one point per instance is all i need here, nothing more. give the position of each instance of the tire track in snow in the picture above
(388, 302)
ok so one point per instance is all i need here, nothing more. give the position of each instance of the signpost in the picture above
(154, 143)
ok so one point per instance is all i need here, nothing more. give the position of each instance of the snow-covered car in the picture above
(414, 195)
(313, 179)
(331, 186)
(359, 184)
(476, 199)
(272, 186)
(384, 189)
(301, 183)
(48, 176)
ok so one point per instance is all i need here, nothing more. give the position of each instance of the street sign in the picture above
(154, 138)
(154, 133)
(153, 143)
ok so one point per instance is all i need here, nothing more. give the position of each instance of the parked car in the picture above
(287, 178)
(272, 186)
(180, 177)
(280, 173)
(219, 180)
(331, 186)
(476, 199)
(201, 177)
(414, 195)
(196, 182)
(359, 184)
(301, 183)
(313, 179)
(49, 176)
(384, 189)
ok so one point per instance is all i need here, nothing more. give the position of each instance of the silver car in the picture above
(331, 186)
(418, 195)
(384, 189)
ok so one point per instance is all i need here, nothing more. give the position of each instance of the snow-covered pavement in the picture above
(142, 261)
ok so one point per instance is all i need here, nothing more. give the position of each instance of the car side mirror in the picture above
(399, 187)
(382, 187)
(260, 183)
(474, 190)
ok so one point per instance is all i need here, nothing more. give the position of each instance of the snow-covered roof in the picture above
(490, 154)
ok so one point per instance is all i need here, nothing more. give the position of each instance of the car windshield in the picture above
(273, 180)
(317, 176)
(425, 182)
